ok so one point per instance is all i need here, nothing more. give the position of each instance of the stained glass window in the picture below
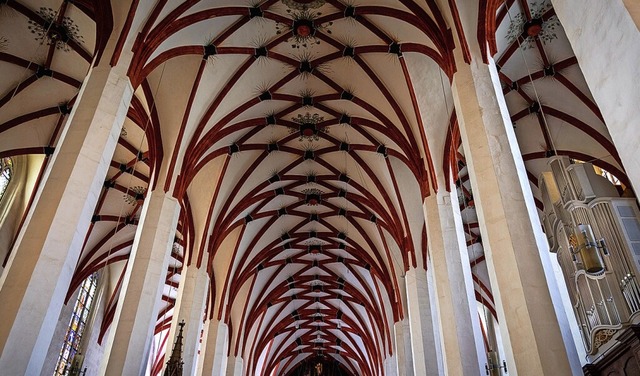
(76, 325)
(6, 167)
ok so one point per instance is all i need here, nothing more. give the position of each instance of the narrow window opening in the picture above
(77, 325)
(6, 169)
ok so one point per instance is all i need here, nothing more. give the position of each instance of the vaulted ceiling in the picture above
(297, 134)
(294, 134)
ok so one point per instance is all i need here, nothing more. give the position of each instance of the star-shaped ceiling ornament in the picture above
(527, 31)
(55, 31)
(303, 26)
(313, 196)
(308, 126)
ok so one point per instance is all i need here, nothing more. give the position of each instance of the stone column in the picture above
(34, 283)
(216, 349)
(423, 336)
(403, 347)
(202, 349)
(606, 41)
(457, 310)
(510, 228)
(190, 302)
(235, 366)
(435, 319)
(391, 366)
(129, 340)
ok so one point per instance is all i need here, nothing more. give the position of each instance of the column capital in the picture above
(415, 269)
(472, 37)
(440, 197)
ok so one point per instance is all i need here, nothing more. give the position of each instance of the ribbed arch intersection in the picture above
(293, 134)
(302, 152)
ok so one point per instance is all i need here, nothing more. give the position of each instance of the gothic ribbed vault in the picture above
(300, 138)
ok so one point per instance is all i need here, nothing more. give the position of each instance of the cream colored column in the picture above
(458, 313)
(216, 349)
(511, 231)
(391, 366)
(38, 274)
(606, 41)
(201, 355)
(421, 325)
(235, 366)
(129, 340)
(435, 319)
(403, 347)
(190, 303)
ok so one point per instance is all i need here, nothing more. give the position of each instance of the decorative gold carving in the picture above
(573, 240)
(602, 336)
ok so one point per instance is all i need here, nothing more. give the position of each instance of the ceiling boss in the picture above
(303, 28)
(303, 4)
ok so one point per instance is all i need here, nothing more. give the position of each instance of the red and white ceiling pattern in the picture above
(305, 167)
(293, 132)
